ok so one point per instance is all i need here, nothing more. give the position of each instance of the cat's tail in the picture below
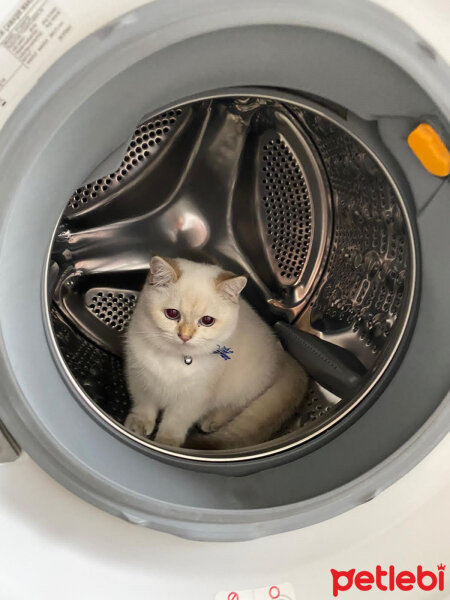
(263, 417)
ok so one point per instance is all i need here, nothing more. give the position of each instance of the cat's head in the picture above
(191, 306)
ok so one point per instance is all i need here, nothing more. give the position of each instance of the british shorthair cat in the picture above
(200, 354)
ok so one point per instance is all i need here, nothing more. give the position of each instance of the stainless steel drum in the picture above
(258, 185)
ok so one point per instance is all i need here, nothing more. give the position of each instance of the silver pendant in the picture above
(188, 360)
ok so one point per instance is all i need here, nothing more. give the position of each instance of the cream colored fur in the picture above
(243, 400)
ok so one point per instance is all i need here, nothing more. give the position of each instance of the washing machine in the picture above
(303, 142)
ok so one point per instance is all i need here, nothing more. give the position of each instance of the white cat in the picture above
(199, 353)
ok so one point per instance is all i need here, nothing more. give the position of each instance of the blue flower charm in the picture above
(224, 352)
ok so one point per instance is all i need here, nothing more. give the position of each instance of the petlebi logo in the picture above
(388, 579)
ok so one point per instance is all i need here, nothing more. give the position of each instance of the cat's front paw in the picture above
(217, 418)
(168, 438)
(140, 423)
(211, 422)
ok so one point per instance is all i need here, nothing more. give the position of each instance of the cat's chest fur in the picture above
(169, 371)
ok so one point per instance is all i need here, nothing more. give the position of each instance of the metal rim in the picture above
(276, 446)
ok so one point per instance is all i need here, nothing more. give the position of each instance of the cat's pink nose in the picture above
(184, 337)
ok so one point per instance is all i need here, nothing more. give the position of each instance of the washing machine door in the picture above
(297, 126)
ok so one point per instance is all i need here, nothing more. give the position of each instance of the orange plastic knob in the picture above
(429, 148)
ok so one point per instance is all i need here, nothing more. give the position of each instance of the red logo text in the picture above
(388, 579)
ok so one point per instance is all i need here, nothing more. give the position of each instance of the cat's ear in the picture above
(163, 271)
(230, 285)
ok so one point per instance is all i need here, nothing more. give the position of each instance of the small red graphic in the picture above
(441, 567)
(233, 596)
(274, 592)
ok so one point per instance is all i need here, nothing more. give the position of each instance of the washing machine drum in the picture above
(274, 167)
(256, 185)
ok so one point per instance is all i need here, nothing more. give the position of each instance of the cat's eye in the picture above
(172, 313)
(207, 321)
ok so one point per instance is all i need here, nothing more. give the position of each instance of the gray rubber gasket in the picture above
(117, 478)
